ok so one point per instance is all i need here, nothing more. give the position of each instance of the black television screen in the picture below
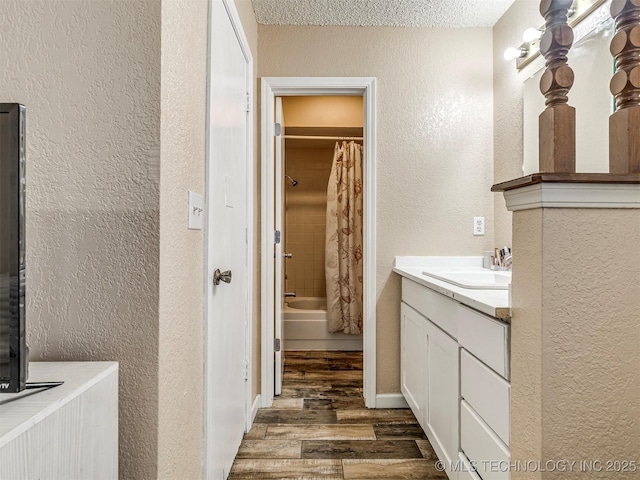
(13, 350)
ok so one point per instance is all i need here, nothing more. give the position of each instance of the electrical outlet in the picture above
(478, 225)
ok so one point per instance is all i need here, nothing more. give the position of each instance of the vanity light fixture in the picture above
(530, 49)
(512, 53)
(531, 35)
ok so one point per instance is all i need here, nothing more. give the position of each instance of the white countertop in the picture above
(20, 411)
(490, 302)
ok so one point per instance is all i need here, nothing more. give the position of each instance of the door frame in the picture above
(251, 240)
(318, 86)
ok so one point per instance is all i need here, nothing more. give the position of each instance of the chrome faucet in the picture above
(289, 294)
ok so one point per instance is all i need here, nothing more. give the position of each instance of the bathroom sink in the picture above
(478, 279)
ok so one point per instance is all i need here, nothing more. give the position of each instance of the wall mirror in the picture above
(593, 66)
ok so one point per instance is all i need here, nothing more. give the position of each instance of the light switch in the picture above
(196, 211)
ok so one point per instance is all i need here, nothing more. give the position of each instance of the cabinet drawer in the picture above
(486, 338)
(441, 310)
(466, 471)
(482, 446)
(487, 393)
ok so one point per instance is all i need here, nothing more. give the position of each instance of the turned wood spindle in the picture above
(558, 122)
(624, 124)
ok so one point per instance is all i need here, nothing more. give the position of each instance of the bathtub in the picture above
(305, 327)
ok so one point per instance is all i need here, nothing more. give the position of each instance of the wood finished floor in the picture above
(319, 428)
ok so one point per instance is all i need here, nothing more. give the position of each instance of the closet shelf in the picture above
(320, 137)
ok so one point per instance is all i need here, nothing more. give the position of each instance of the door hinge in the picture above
(277, 129)
(276, 344)
(276, 237)
(246, 371)
(248, 104)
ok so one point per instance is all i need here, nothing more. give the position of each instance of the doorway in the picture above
(274, 183)
(318, 132)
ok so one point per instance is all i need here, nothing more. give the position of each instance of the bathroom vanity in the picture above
(455, 361)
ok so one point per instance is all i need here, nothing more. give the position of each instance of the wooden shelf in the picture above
(535, 178)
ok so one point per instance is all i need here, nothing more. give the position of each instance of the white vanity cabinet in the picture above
(455, 370)
(430, 373)
(430, 366)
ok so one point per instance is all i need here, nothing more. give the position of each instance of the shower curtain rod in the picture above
(320, 137)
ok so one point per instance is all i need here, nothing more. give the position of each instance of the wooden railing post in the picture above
(624, 124)
(558, 121)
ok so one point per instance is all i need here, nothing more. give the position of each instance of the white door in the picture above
(279, 259)
(226, 245)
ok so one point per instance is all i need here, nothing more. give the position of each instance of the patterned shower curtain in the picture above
(343, 248)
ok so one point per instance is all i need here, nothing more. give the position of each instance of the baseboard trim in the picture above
(254, 408)
(391, 400)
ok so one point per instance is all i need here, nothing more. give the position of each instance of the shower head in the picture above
(293, 182)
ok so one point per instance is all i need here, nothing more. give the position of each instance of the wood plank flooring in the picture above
(319, 428)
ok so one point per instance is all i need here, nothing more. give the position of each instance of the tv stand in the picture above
(70, 431)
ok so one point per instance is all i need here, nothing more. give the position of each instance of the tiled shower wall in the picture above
(305, 219)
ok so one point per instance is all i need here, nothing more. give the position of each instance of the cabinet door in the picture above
(443, 393)
(413, 361)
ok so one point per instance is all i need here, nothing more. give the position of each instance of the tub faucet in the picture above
(289, 294)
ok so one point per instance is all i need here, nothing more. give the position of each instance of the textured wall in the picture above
(507, 106)
(526, 338)
(435, 126)
(591, 359)
(89, 74)
(576, 363)
(306, 219)
(181, 328)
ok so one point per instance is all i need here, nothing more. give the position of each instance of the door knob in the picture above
(221, 276)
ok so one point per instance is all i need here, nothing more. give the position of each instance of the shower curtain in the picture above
(343, 247)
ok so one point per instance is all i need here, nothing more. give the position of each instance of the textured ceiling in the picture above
(391, 13)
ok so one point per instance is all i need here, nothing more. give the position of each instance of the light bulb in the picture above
(531, 35)
(512, 53)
